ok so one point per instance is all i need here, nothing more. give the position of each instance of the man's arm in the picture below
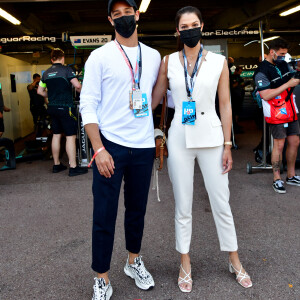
(76, 84)
(104, 160)
(6, 109)
(31, 86)
(272, 93)
(42, 91)
(90, 98)
(263, 83)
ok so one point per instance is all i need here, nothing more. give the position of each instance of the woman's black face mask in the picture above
(125, 26)
(191, 37)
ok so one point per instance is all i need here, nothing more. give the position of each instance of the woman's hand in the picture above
(105, 164)
(227, 159)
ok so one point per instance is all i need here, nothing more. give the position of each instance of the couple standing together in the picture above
(125, 80)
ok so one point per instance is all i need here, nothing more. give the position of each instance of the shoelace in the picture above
(141, 268)
(99, 288)
(279, 183)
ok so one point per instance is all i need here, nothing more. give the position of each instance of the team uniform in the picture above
(281, 111)
(61, 107)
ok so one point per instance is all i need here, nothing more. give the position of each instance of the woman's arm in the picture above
(160, 87)
(226, 115)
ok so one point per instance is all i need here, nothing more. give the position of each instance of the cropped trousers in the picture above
(134, 166)
(181, 164)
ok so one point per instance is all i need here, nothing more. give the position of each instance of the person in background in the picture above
(37, 102)
(275, 83)
(194, 75)
(58, 80)
(237, 96)
(116, 110)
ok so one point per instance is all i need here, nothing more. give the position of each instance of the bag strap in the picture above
(163, 117)
(288, 97)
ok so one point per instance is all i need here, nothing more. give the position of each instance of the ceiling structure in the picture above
(78, 17)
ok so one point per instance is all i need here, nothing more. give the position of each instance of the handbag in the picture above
(160, 133)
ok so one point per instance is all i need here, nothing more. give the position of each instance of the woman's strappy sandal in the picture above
(187, 279)
(240, 276)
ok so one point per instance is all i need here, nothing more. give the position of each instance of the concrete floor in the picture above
(45, 237)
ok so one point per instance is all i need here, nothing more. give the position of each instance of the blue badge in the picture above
(188, 112)
(278, 97)
(286, 125)
(144, 112)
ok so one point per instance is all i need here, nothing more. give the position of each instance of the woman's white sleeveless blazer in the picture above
(207, 131)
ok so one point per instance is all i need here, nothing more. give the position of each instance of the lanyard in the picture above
(136, 75)
(190, 87)
(278, 71)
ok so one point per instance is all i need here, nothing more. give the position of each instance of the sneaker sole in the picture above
(292, 183)
(138, 284)
(277, 191)
(109, 293)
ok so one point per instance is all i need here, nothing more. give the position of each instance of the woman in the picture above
(194, 75)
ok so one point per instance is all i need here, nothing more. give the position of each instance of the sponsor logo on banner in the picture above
(230, 33)
(27, 38)
(91, 40)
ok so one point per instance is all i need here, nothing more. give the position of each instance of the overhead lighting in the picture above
(271, 38)
(290, 11)
(9, 17)
(144, 6)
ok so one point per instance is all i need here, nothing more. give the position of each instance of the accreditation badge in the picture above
(188, 112)
(144, 111)
(137, 99)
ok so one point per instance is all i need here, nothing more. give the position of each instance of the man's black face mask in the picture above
(191, 37)
(125, 26)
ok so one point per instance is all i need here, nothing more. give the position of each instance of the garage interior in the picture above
(232, 23)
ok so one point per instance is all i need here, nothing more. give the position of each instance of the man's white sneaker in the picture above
(102, 291)
(139, 273)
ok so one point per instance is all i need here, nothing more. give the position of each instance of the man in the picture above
(37, 102)
(59, 80)
(116, 99)
(275, 82)
(237, 96)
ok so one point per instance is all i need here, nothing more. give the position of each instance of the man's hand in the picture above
(227, 160)
(6, 109)
(1, 114)
(105, 164)
(293, 82)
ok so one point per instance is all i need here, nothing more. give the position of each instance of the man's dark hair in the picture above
(57, 54)
(36, 75)
(188, 10)
(278, 44)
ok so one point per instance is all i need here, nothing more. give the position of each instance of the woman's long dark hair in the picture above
(179, 14)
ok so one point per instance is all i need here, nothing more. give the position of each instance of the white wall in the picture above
(18, 123)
